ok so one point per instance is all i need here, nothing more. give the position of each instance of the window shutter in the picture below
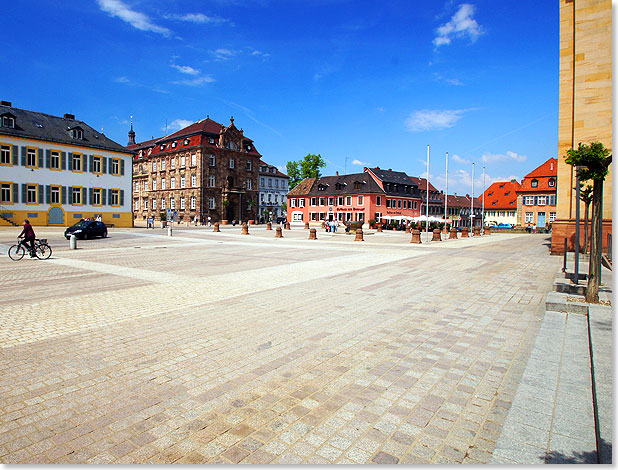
(64, 194)
(23, 156)
(122, 167)
(40, 199)
(91, 158)
(103, 197)
(90, 192)
(70, 194)
(122, 197)
(64, 161)
(70, 161)
(40, 152)
(15, 155)
(24, 193)
(48, 194)
(48, 158)
(15, 193)
(109, 196)
(84, 163)
(104, 165)
(84, 195)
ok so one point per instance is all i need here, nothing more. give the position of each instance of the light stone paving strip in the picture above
(388, 359)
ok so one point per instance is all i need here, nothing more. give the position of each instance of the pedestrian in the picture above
(336, 225)
(534, 228)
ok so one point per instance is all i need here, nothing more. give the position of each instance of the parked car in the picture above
(86, 229)
(503, 226)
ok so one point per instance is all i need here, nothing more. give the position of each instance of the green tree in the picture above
(307, 167)
(585, 195)
(593, 161)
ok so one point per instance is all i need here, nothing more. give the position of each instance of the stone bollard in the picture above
(477, 231)
(269, 226)
(245, 229)
(487, 231)
(169, 231)
(359, 235)
(287, 226)
(464, 232)
(313, 234)
(216, 229)
(307, 225)
(416, 236)
(380, 228)
(73, 242)
(323, 224)
(278, 233)
(436, 235)
(452, 234)
(408, 229)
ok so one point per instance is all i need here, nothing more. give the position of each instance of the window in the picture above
(211, 160)
(5, 155)
(534, 183)
(399, 204)
(542, 200)
(194, 159)
(96, 165)
(322, 201)
(415, 204)
(172, 163)
(115, 167)
(301, 202)
(211, 181)
(54, 195)
(270, 198)
(31, 160)
(348, 200)
(331, 201)
(154, 185)
(182, 181)
(297, 216)
(8, 121)
(552, 200)
(357, 184)
(76, 195)
(154, 165)
(276, 183)
(163, 164)
(192, 202)
(96, 196)
(378, 202)
(211, 203)
(54, 160)
(552, 182)
(529, 217)
(172, 182)
(76, 164)
(182, 203)
(249, 166)
(270, 183)
(136, 205)
(114, 200)
(162, 203)
(528, 200)
(292, 202)
(193, 181)
(314, 216)
(248, 183)
(378, 217)
(154, 204)
(262, 182)
(5, 192)
(172, 203)
(183, 160)
(360, 200)
(77, 133)
(552, 216)
(162, 183)
(314, 201)
(231, 163)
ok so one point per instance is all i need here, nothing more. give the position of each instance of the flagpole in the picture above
(472, 202)
(483, 208)
(427, 197)
(446, 198)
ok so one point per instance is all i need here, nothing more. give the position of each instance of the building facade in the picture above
(536, 197)
(459, 209)
(436, 198)
(273, 192)
(58, 170)
(501, 203)
(585, 105)
(204, 170)
(375, 194)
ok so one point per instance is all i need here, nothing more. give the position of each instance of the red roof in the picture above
(542, 175)
(502, 195)
(462, 201)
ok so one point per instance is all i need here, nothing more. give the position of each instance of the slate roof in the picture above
(463, 201)
(422, 184)
(270, 173)
(502, 195)
(48, 128)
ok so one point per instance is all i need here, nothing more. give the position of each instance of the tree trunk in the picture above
(586, 227)
(592, 291)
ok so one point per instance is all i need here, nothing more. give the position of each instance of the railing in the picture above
(609, 247)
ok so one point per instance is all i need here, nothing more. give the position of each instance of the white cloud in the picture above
(460, 181)
(122, 80)
(224, 54)
(186, 69)
(282, 169)
(136, 19)
(457, 159)
(501, 157)
(257, 53)
(197, 81)
(199, 18)
(177, 124)
(358, 162)
(449, 81)
(433, 119)
(462, 24)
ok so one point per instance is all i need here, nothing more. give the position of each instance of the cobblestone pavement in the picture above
(225, 348)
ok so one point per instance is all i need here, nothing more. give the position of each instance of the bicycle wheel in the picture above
(17, 252)
(43, 251)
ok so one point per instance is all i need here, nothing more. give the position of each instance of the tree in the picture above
(308, 167)
(593, 161)
(585, 194)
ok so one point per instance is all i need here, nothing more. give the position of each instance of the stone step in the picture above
(567, 287)
(561, 302)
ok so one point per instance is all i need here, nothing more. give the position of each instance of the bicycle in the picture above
(41, 249)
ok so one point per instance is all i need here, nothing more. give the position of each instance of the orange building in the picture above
(501, 203)
(536, 198)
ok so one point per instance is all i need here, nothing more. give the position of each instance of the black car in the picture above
(86, 229)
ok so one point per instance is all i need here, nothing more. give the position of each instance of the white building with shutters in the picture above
(58, 170)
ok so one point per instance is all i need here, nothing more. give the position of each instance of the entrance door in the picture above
(55, 216)
(330, 217)
(540, 219)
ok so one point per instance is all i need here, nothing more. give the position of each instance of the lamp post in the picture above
(427, 196)
(446, 197)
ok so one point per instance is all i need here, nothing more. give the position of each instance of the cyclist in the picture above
(29, 236)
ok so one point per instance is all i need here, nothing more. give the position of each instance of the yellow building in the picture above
(585, 112)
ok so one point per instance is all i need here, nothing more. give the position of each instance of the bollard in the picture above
(287, 226)
(278, 233)
(416, 236)
(487, 231)
(169, 231)
(359, 235)
(216, 227)
(452, 234)
(307, 225)
(477, 231)
(323, 224)
(245, 228)
(313, 234)
(464, 232)
(408, 229)
(436, 235)
(380, 228)
(73, 242)
(269, 226)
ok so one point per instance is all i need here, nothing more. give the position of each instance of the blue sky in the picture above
(358, 82)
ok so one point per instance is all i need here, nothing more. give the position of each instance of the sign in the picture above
(175, 216)
(168, 215)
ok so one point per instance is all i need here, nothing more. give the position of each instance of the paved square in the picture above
(228, 348)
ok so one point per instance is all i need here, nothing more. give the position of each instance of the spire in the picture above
(131, 134)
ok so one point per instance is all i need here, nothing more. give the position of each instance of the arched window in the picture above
(552, 182)
(534, 183)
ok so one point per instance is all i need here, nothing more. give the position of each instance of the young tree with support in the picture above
(593, 161)
(585, 195)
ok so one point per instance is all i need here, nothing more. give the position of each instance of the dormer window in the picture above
(501, 186)
(490, 194)
(534, 183)
(77, 133)
(322, 187)
(8, 120)
(552, 182)
(211, 140)
(186, 142)
(357, 184)
(162, 147)
(248, 148)
(173, 145)
(507, 193)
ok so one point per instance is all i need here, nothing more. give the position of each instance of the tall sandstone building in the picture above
(585, 113)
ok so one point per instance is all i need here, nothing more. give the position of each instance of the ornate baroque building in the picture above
(204, 170)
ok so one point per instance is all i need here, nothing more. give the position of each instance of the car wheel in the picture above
(105, 234)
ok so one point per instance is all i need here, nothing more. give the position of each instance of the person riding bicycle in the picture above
(29, 236)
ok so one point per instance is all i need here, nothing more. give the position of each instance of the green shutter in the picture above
(23, 156)
(15, 193)
(48, 158)
(90, 196)
(70, 194)
(48, 194)
(64, 161)
(84, 196)
(103, 197)
(70, 161)
(40, 199)
(64, 195)
(91, 158)
(122, 167)
(15, 156)
(40, 152)
(122, 197)
(104, 165)
(24, 193)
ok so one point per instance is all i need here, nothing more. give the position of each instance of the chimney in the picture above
(6, 103)
(336, 173)
(513, 181)
(377, 167)
(551, 165)
(390, 169)
(69, 116)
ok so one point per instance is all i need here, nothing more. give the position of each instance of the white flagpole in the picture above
(427, 196)
(472, 202)
(483, 208)
(446, 197)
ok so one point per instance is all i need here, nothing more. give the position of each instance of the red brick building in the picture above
(374, 194)
(204, 170)
(536, 198)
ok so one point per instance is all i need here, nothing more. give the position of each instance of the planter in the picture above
(224, 222)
